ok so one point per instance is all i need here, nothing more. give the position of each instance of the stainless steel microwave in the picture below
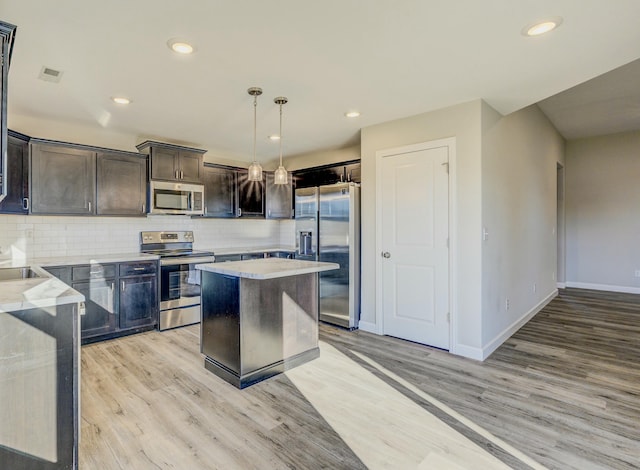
(166, 197)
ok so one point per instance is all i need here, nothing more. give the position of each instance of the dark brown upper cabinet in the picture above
(7, 35)
(16, 175)
(220, 185)
(173, 162)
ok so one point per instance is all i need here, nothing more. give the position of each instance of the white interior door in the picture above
(415, 231)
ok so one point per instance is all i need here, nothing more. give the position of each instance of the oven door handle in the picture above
(192, 260)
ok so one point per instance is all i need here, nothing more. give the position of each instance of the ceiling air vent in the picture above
(50, 75)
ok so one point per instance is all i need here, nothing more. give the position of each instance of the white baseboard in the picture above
(561, 285)
(605, 287)
(368, 327)
(467, 351)
(515, 326)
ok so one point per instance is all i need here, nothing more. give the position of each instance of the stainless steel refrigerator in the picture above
(328, 229)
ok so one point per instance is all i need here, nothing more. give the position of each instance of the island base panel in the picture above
(260, 374)
(254, 329)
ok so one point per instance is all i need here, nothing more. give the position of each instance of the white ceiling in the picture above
(387, 58)
(607, 104)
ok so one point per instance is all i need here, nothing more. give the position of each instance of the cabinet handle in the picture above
(176, 174)
(123, 286)
(139, 269)
(181, 174)
(25, 203)
(89, 206)
(144, 208)
(239, 212)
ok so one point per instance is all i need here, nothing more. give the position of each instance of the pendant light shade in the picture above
(280, 176)
(255, 169)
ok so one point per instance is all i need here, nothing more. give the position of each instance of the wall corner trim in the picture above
(469, 352)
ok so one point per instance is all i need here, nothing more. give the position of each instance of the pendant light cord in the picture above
(280, 134)
(255, 114)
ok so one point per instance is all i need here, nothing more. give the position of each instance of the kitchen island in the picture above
(40, 363)
(259, 317)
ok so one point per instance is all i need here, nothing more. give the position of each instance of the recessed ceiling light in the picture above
(180, 46)
(121, 100)
(274, 137)
(542, 27)
(352, 114)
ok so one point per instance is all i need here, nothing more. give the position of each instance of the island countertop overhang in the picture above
(267, 268)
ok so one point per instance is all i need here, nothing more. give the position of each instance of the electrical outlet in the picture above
(637, 272)
(28, 234)
(535, 288)
(506, 304)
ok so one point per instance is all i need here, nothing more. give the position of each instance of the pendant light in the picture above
(255, 170)
(280, 175)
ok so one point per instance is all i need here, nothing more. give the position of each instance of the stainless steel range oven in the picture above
(179, 280)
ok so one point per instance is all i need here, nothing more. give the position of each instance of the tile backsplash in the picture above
(23, 237)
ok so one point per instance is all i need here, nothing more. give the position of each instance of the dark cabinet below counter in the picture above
(121, 298)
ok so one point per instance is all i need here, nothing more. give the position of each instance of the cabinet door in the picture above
(190, 167)
(61, 272)
(138, 301)
(121, 184)
(279, 199)
(164, 164)
(250, 196)
(100, 303)
(63, 180)
(219, 192)
(16, 177)
(7, 35)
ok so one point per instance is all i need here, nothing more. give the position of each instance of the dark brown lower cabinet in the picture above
(39, 359)
(138, 301)
(121, 298)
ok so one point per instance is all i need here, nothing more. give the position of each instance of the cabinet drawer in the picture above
(134, 269)
(94, 271)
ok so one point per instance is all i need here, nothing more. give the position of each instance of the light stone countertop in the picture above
(267, 268)
(250, 249)
(46, 290)
(93, 259)
(37, 292)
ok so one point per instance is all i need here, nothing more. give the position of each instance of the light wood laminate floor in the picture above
(564, 392)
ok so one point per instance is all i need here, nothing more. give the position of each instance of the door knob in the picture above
(386, 254)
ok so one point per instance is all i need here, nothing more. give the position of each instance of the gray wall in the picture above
(520, 153)
(603, 212)
(462, 122)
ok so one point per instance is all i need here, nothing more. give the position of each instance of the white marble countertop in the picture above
(92, 259)
(46, 290)
(267, 268)
(251, 249)
(36, 292)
